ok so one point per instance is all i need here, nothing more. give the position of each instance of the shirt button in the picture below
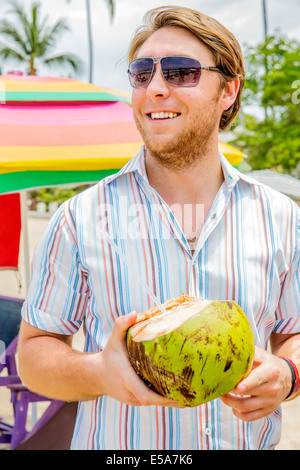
(214, 215)
(207, 431)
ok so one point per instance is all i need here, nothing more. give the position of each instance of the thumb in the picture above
(122, 324)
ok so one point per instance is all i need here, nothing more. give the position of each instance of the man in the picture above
(185, 221)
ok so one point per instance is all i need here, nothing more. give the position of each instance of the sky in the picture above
(111, 38)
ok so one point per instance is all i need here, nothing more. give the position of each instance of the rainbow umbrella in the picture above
(233, 155)
(57, 131)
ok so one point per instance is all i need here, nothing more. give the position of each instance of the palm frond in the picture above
(48, 36)
(21, 18)
(58, 28)
(9, 53)
(65, 59)
(34, 28)
(111, 7)
(11, 32)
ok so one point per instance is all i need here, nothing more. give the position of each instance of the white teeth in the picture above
(163, 115)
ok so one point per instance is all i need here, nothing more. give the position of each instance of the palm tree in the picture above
(111, 6)
(31, 38)
(265, 19)
(266, 33)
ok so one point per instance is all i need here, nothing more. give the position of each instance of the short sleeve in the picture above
(58, 291)
(288, 311)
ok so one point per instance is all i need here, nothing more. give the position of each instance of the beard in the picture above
(190, 145)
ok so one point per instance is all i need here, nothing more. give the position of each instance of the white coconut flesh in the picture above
(162, 324)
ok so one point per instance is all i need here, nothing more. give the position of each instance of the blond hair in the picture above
(222, 44)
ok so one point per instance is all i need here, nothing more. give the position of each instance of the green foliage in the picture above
(29, 38)
(54, 194)
(272, 141)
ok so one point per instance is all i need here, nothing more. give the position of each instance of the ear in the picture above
(229, 94)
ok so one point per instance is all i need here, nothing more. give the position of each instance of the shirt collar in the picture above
(231, 174)
(137, 164)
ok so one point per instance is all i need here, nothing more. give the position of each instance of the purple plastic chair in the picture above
(16, 434)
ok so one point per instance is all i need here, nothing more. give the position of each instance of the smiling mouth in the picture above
(163, 115)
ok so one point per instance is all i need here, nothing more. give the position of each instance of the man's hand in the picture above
(263, 390)
(119, 379)
(69, 375)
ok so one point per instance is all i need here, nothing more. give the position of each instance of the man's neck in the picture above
(189, 192)
(197, 184)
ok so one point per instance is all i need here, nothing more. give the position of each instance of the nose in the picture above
(158, 87)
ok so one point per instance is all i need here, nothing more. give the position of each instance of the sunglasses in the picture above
(176, 70)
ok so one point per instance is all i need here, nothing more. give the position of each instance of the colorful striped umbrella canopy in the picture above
(233, 155)
(59, 131)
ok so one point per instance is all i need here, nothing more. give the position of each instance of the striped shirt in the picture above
(248, 251)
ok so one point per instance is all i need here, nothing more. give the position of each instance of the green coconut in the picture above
(194, 352)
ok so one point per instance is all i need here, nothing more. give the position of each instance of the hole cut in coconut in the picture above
(154, 323)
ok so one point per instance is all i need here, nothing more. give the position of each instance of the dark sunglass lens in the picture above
(181, 71)
(140, 71)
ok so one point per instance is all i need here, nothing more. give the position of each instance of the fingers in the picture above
(261, 392)
(267, 373)
(153, 398)
(254, 380)
(125, 321)
(248, 408)
(122, 324)
(150, 398)
(125, 384)
(143, 395)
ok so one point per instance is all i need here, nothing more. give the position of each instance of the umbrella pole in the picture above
(27, 263)
(25, 240)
